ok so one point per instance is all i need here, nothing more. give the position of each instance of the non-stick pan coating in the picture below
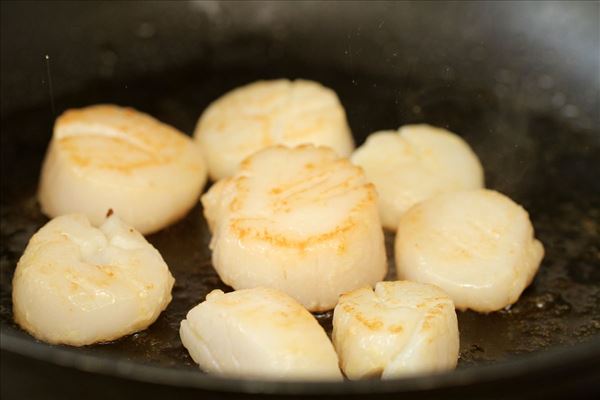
(547, 160)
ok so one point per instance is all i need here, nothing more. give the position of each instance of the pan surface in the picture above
(534, 125)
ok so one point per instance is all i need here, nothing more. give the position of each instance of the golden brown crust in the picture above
(285, 197)
(125, 130)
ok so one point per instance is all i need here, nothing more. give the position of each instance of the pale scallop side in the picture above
(415, 163)
(77, 284)
(108, 157)
(265, 113)
(301, 220)
(258, 333)
(477, 245)
(399, 329)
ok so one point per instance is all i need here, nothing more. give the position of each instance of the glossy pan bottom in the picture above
(542, 161)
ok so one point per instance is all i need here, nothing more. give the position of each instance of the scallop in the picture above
(266, 113)
(477, 245)
(77, 284)
(415, 163)
(399, 329)
(108, 157)
(301, 220)
(258, 333)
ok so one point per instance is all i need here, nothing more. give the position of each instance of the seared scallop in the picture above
(414, 164)
(266, 113)
(77, 284)
(401, 328)
(477, 245)
(301, 220)
(108, 157)
(258, 333)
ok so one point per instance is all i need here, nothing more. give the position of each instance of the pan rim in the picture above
(564, 361)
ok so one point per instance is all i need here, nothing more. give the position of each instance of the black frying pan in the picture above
(519, 81)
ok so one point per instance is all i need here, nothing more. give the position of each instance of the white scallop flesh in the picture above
(401, 328)
(415, 163)
(477, 245)
(108, 157)
(265, 113)
(76, 284)
(258, 333)
(300, 220)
